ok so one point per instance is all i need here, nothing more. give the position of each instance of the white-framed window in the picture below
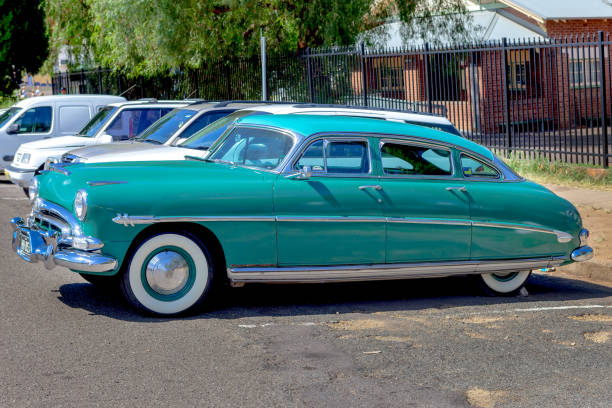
(584, 72)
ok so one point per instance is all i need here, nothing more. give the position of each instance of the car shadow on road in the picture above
(258, 300)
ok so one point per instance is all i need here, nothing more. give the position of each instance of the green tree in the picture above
(23, 42)
(146, 37)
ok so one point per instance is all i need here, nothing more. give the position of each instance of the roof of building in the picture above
(562, 9)
(307, 125)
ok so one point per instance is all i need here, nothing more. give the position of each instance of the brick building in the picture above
(552, 80)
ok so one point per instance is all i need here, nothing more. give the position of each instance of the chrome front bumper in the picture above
(21, 177)
(35, 245)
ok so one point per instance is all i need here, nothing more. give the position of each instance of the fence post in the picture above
(100, 81)
(602, 98)
(506, 95)
(364, 81)
(264, 79)
(82, 87)
(309, 68)
(427, 79)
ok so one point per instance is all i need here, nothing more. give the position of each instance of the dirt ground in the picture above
(599, 223)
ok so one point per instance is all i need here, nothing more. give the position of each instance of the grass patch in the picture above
(542, 170)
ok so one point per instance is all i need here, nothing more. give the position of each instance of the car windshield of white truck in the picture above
(162, 130)
(92, 127)
(8, 114)
(203, 139)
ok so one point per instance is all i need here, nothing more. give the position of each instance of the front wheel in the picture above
(504, 284)
(168, 274)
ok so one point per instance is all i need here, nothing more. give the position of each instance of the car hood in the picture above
(132, 151)
(57, 142)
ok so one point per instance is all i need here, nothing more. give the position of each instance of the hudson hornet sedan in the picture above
(288, 198)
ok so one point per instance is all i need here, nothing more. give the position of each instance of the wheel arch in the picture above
(199, 231)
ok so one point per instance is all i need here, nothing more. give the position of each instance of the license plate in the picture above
(25, 248)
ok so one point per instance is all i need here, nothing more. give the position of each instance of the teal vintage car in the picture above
(288, 198)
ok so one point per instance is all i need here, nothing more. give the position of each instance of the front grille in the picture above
(51, 222)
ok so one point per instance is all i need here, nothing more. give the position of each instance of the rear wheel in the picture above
(504, 284)
(168, 273)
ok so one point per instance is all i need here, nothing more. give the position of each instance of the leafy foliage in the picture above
(23, 43)
(144, 37)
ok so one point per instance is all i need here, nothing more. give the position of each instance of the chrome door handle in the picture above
(459, 188)
(375, 187)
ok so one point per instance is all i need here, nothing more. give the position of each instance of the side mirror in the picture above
(13, 129)
(303, 174)
(105, 138)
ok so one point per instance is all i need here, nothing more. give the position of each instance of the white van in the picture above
(44, 117)
(114, 122)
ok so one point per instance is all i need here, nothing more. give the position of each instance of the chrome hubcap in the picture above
(167, 272)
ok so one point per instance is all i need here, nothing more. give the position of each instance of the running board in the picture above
(347, 273)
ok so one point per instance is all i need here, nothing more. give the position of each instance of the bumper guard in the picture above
(35, 245)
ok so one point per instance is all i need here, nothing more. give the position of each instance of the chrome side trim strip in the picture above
(339, 218)
(104, 183)
(427, 221)
(346, 273)
(562, 237)
(132, 220)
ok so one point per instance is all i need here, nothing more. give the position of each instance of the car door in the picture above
(33, 124)
(334, 216)
(428, 216)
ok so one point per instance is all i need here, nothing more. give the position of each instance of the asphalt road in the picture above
(422, 343)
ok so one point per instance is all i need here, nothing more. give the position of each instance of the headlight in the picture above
(80, 204)
(33, 189)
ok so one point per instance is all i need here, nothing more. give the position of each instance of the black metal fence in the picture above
(540, 98)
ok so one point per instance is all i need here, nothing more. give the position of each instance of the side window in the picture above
(472, 167)
(35, 120)
(72, 118)
(336, 157)
(414, 160)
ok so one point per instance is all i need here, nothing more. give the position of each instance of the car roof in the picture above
(151, 104)
(55, 98)
(307, 125)
(353, 111)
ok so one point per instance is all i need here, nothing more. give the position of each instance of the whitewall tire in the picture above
(168, 274)
(504, 283)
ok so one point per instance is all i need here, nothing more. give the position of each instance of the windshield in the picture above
(8, 114)
(206, 137)
(162, 130)
(261, 148)
(92, 127)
